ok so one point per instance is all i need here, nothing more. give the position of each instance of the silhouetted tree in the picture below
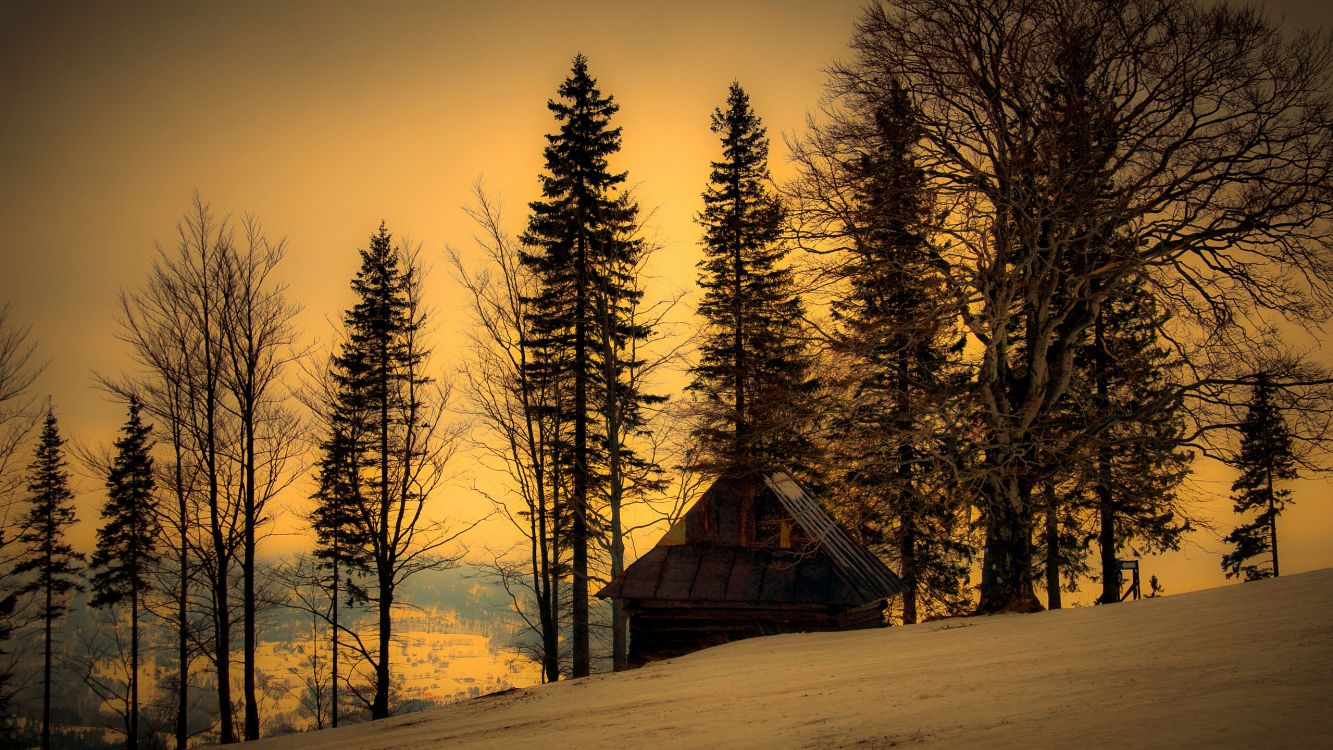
(258, 338)
(127, 543)
(53, 564)
(210, 331)
(18, 416)
(894, 436)
(391, 437)
(753, 374)
(175, 324)
(580, 240)
(1265, 459)
(156, 325)
(1138, 462)
(341, 545)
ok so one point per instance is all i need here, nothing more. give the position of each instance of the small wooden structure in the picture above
(755, 555)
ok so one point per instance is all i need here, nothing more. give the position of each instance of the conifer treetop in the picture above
(128, 537)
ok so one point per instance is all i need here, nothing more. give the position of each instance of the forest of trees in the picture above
(1024, 278)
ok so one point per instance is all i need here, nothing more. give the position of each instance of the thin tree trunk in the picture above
(221, 598)
(551, 646)
(742, 449)
(379, 708)
(182, 607)
(46, 664)
(1052, 546)
(907, 533)
(333, 707)
(132, 742)
(615, 479)
(1105, 497)
(248, 581)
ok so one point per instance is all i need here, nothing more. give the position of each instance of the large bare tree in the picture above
(210, 332)
(18, 415)
(521, 428)
(259, 340)
(1194, 148)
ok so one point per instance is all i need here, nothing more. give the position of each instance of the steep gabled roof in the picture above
(699, 561)
(861, 570)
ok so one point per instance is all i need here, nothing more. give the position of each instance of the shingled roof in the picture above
(703, 558)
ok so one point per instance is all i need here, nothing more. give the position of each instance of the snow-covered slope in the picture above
(1243, 666)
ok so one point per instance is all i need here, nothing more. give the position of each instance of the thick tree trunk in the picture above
(380, 707)
(1052, 547)
(546, 600)
(1006, 569)
(222, 632)
(1106, 543)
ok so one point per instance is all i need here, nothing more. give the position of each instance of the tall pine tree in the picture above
(374, 372)
(127, 542)
(753, 373)
(52, 562)
(903, 339)
(579, 244)
(1265, 460)
(388, 444)
(1138, 464)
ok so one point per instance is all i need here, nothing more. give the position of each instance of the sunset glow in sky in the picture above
(321, 119)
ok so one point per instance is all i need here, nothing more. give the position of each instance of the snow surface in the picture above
(1242, 666)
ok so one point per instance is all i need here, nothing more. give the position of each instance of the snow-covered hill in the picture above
(1243, 666)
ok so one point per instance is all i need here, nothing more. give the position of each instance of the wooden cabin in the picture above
(755, 555)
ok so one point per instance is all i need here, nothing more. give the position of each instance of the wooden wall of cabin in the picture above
(664, 632)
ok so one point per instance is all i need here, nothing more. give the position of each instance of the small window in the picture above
(784, 540)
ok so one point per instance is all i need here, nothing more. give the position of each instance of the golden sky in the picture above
(322, 119)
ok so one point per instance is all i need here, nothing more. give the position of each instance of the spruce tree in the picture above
(1122, 463)
(340, 540)
(1138, 464)
(753, 373)
(902, 338)
(579, 245)
(387, 446)
(53, 563)
(373, 373)
(127, 542)
(1266, 459)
